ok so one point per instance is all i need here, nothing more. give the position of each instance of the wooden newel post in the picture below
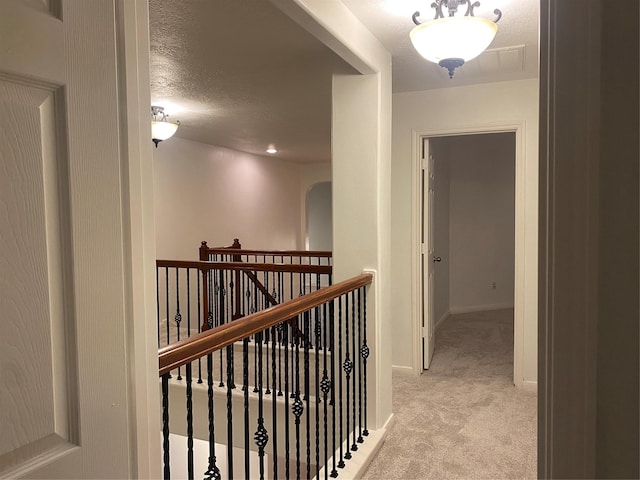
(204, 254)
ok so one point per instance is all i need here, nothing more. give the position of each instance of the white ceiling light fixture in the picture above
(161, 127)
(451, 41)
(272, 149)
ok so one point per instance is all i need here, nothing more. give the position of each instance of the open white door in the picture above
(66, 401)
(428, 257)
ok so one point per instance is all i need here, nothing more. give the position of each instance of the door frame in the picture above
(519, 234)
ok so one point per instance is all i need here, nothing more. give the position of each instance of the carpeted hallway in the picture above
(463, 418)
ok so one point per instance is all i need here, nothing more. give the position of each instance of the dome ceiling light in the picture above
(451, 41)
(161, 128)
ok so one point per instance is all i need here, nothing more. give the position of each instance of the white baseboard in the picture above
(529, 386)
(479, 308)
(402, 370)
(442, 319)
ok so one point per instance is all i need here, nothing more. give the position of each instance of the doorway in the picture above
(468, 227)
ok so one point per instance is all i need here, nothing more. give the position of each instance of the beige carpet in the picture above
(463, 418)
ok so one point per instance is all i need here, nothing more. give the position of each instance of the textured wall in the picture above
(203, 192)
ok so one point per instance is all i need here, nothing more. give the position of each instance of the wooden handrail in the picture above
(260, 267)
(235, 250)
(192, 348)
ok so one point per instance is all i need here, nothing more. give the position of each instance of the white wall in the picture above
(440, 152)
(319, 217)
(203, 192)
(481, 222)
(471, 108)
(310, 175)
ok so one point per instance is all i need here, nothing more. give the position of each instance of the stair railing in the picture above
(308, 411)
(235, 253)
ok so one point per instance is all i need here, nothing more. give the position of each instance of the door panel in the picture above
(64, 401)
(428, 254)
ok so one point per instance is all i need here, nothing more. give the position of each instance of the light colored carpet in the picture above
(463, 418)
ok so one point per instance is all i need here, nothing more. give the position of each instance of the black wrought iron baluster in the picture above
(178, 316)
(325, 386)
(266, 332)
(167, 310)
(316, 381)
(280, 331)
(274, 404)
(339, 360)
(261, 436)
(233, 287)
(165, 426)
(229, 411)
(360, 344)
(245, 388)
(213, 472)
(285, 343)
(189, 422)
(307, 393)
(158, 302)
(354, 445)
(334, 357)
(199, 312)
(298, 406)
(222, 313)
(256, 341)
(348, 367)
(364, 351)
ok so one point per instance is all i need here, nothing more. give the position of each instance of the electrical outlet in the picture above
(493, 285)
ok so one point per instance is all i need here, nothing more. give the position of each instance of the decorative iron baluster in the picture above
(325, 386)
(213, 472)
(222, 314)
(189, 422)
(245, 388)
(332, 338)
(360, 439)
(165, 426)
(280, 338)
(158, 302)
(178, 316)
(261, 436)
(256, 340)
(347, 366)
(229, 412)
(298, 406)
(354, 445)
(339, 358)
(198, 323)
(306, 390)
(364, 351)
(285, 342)
(266, 332)
(317, 329)
(274, 410)
(167, 310)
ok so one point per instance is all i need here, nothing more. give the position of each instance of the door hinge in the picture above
(422, 249)
(423, 163)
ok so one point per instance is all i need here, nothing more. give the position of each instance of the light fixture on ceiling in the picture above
(271, 148)
(161, 127)
(451, 41)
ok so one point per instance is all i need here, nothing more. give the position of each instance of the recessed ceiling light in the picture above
(271, 149)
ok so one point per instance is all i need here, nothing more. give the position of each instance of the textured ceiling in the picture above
(390, 21)
(240, 74)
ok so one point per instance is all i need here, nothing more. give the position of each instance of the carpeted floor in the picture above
(463, 418)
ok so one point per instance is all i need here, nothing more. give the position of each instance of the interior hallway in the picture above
(463, 418)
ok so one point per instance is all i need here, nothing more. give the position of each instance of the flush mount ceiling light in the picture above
(161, 127)
(451, 41)
(272, 149)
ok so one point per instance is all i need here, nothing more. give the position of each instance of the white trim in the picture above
(403, 370)
(529, 386)
(442, 319)
(480, 308)
(518, 127)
